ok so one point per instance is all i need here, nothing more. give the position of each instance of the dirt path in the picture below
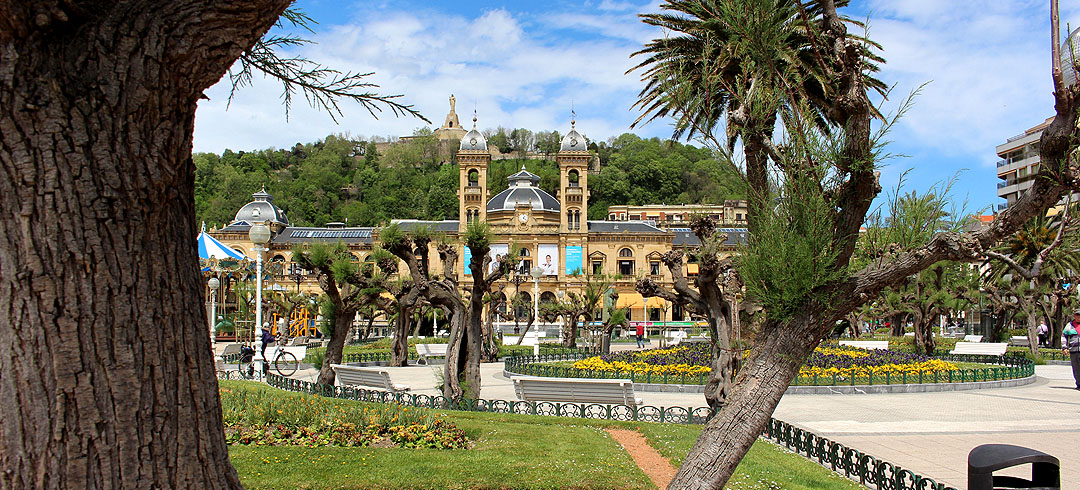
(657, 467)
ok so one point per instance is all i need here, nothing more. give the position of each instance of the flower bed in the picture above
(829, 365)
(252, 416)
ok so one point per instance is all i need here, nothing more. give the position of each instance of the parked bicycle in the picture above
(284, 362)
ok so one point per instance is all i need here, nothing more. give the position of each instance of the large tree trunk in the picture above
(457, 356)
(107, 377)
(924, 332)
(399, 345)
(343, 320)
(569, 340)
(776, 358)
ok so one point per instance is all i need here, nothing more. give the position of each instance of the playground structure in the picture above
(300, 324)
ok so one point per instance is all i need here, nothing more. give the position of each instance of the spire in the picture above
(474, 118)
(573, 115)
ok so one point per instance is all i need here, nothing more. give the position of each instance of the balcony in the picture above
(1002, 185)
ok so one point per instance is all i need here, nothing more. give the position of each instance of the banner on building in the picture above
(574, 265)
(497, 253)
(547, 256)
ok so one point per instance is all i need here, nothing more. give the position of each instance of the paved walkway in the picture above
(927, 433)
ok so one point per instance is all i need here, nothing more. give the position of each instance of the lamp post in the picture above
(213, 284)
(259, 234)
(296, 275)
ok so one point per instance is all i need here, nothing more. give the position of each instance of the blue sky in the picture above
(523, 64)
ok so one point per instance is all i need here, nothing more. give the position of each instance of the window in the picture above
(525, 266)
(572, 177)
(598, 267)
(626, 267)
(474, 178)
(626, 252)
(654, 268)
(738, 216)
(654, 315)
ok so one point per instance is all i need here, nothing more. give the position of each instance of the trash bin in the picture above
(984, 460)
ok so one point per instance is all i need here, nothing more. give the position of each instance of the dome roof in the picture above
(523, 190)
(260, 210)
(473, 140)
(574, 141)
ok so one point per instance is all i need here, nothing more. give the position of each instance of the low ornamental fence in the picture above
(851, 463)
(1011, 367)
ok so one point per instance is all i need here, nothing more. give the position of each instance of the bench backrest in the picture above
(973, 338)
(231, 349)
(354, 375)
(607, 391)
(1020, 340)
(431, 349)
(867, 344)
(302, 340)
(984, 348)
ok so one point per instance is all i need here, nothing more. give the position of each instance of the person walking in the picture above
(1072, 346)
(1043, 329)
(640, 330)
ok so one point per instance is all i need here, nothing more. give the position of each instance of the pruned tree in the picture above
(813, 79)
(462, 368)
(712, 295)
(97, 110)
(580, 307)
(347, 285)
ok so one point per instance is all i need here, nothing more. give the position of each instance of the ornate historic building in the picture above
(550, 232)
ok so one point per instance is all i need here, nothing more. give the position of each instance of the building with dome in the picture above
(550, 232)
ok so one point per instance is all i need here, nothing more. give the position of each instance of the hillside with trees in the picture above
(345, 179)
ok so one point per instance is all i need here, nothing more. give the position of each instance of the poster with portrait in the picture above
(496, 253)
(547, 256)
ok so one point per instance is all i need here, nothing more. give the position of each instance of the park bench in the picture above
(1019, 341)
(980, 348)
(361, 376)
(973, 338)
(867, 344)
(298, 341)
(673, 338)
(425, 351)
(576, 390)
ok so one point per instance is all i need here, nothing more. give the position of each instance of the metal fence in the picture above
(1011, 367)
(854, 464)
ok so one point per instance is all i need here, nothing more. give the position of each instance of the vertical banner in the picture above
(547, 256)
(573, 261)
(496, 253)
(466, 258)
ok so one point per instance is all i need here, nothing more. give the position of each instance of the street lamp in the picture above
(296, 273)
(213, 284)
(259, 234)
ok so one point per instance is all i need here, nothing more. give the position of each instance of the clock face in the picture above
(523, 217)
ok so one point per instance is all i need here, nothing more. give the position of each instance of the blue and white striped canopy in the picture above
(209, 247)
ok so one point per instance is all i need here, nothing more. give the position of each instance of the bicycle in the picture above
(285, 362)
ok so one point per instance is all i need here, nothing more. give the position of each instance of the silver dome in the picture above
(574, 141)
(260, 210)
(523, 190)
(474, 140)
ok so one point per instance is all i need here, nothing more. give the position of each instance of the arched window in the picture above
(474, 177)
(524, 252)
(547, 297)
(278, 258)
(626, 252)
(573, 178)
(525, 265)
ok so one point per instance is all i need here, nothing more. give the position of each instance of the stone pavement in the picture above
(927, 433)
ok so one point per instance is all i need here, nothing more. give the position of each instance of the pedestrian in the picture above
(640, 330)
(1072, 345)
(1042, 334)
(267, 339)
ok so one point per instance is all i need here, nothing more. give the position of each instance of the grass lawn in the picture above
(511, 451)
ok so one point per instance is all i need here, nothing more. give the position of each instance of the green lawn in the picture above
(511, 451)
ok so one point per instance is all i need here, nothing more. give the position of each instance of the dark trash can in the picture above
(984, 460)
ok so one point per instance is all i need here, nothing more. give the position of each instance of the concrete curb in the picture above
(842, 389)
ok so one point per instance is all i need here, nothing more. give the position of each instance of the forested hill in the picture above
(342, 179)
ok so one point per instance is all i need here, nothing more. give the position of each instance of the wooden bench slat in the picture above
(355, 375)
(600, 391)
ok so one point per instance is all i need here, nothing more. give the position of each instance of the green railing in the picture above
(1011, 367)
(851, 463)
(865, 469)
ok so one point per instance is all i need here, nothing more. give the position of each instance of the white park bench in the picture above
(674, 337)
(1019, 341)
(973, 338)
(424, 351)
(575, 390)
(361, 376)
(867, 344)
(980, 348)
(531, 338)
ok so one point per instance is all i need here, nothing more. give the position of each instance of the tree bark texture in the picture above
(108, 378)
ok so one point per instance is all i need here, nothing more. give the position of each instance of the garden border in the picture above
(1015, 371)
(845, 461)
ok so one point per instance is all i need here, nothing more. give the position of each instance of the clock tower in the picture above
(473, 160)
(573, 160)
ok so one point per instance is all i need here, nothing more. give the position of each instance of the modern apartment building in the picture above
(730, 213)
(1019, 163)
